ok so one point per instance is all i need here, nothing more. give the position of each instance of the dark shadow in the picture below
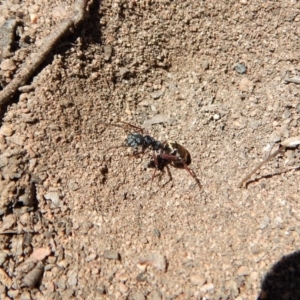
(283, 281)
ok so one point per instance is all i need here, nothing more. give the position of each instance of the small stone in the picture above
(6, 130)
(91, 257)
(3, 161)
(154, 259)
(124, 71)
(207, 287)
(205, 65)
(242, 271)
(8, 65)
(33, 277)
(25, 296)
(72, 278)
(123, 288)
(264, 223)
(8, 222)
(26, 89)
(255, 249)
(3, 257)
(138, 296)
(275, 137)
(157, 94)
(156, 233)
(246, 85)
(155, 295)
(197, 280)
(107, 52)
(278, 222)
(54, 198)
(111, 254)
(240, 68)
(16, 139)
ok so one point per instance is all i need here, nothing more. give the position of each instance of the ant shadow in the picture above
(282, 282)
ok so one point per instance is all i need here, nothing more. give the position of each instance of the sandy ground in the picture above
(81, 221)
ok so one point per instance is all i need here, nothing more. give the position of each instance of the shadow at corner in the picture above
(283, 281)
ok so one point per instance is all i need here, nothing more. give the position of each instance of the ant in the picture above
(164, 154)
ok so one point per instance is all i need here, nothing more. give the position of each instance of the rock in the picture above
(123, 288)
(138, 296)
(8, 222)
(197, 280)
(91, 257)
(7, 36)
(265, 222)
(3, 161)
(8, 65)
(6, 130)
(154, 259)
(16, 139)
(207, 287)
(107, 52)
(3, 256)
(111, 254)
(205, 65)
(33, 277)
(240, 68)
(25, 296)
(54, 197)
(72, 278)
(157, 94)
(246, 85)
(155, 295)
(243, 270)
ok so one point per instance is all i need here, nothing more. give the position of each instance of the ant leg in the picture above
(169, 173)
(174, 158)
(155, 164)
(192, 173)
(141, 130)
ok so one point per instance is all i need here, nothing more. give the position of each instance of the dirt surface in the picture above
(81, 221)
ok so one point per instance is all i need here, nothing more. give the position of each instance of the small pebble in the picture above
(264, 223)
(240, 68)
(111, 254)
(16, 139)
(138, 296)
(157, 94)
(6, 130)
(243, 271)
(197, 280)
(246, 85)
(155, 295)
(8, 65)
(207, 287)
(107, 52)
(205, 65)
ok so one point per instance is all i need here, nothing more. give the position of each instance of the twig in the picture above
(35, 59)
(280, 149)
